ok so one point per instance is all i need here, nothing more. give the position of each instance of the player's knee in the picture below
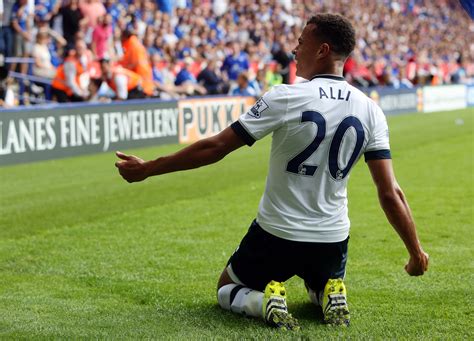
(224, 294)
(225, 287)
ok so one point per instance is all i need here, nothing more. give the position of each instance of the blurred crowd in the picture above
(89, 50)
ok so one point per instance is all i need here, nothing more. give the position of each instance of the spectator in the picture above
(46, 9)
(117, 49)
(157, 65)
(125, 83)
(67, 85)
(459, 76)
(219, 7)
(91, 10)
(43, 24)
(187, 82)
(7, 96)
(253, 83)
(165, 6)
(136, 24)
(273, 78)
(261, 79)
(210, 78)
(236, 62)
(56, 44)
(114, 10)
(242, 88)
(402, 82)
(72, 20)
(136, 59)
(6, 33)
(102, 37)
(149, 42)
(283, 56)
(42, 66)
(21, 24)
(164, 85)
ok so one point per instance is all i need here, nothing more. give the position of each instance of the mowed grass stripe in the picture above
(85, 255)
(103, 193)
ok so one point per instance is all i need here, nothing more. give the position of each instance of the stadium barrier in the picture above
(61, 130)
(395, 101)
(444, 97)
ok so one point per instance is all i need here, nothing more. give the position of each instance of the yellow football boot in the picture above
(335, 308)
(275, 310)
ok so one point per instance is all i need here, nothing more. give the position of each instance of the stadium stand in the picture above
(170, 44)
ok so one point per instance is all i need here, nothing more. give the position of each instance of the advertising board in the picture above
(49, 132)
(445, 97)
(203, 117)
(395, 101)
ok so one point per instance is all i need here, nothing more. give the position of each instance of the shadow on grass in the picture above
(306, 313)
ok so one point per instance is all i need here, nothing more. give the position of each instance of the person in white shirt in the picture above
(320, 129)
(43, 66)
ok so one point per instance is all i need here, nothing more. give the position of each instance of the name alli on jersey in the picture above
(340, 97)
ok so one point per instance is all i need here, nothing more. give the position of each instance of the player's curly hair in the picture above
(336, 30)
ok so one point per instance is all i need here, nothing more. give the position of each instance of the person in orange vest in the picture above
(136, 58)
(125, 83)
(66, 85)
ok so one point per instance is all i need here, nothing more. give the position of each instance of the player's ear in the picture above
(323, 51)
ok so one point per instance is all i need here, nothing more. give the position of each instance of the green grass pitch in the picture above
(83, 254)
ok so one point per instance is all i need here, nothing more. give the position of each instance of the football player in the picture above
(320, 129)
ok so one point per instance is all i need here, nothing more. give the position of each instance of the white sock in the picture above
(241, 300)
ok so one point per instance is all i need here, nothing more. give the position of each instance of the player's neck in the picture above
(334, 69)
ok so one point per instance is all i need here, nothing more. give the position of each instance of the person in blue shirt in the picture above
(157, 75)
(46, 9)
(185, 81)
(243, 87)
(235, 63)
(20, 20)
(114, 10)
(184, 76)
(165, 6)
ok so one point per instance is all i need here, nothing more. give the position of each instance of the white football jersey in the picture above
(320, 129)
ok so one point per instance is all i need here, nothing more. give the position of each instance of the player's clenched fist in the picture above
(131, 168)
(418, 265)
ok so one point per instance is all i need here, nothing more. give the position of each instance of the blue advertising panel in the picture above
(395, 101)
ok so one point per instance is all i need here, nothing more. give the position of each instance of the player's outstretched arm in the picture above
(398, 213)
(201, 153)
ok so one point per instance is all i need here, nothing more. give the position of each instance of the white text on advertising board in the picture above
(50, 132)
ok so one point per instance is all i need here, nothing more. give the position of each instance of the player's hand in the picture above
(131, 168)
(418, 264)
